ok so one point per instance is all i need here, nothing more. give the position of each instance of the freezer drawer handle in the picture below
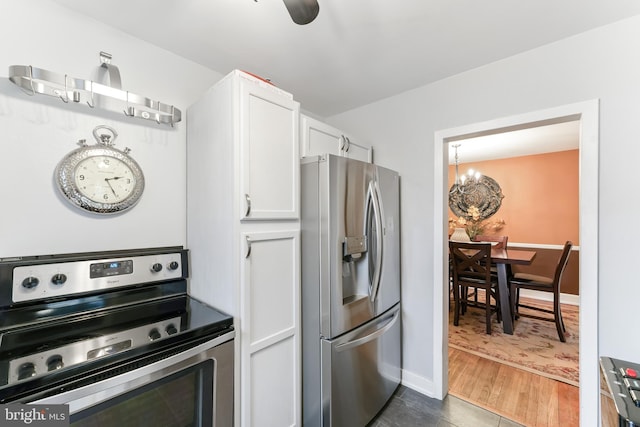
(384, 325)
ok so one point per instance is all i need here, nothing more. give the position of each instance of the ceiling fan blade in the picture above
(302, 11)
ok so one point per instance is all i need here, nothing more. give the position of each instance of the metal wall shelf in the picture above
(69, 89)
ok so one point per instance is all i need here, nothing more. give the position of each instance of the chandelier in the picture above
(467, 183)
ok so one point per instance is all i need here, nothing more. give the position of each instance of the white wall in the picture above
(600, 64)
(37, 131)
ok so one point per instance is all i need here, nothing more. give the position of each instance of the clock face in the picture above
(104, 179)
(100, 179)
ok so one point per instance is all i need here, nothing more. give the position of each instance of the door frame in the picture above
(587, 113)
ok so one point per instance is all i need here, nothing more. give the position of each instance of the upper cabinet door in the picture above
(317, 138)
(269, 154)
(357, 151)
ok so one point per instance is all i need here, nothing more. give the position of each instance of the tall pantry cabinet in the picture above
(243, 233)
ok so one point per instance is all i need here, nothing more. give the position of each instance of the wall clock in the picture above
(100, 178)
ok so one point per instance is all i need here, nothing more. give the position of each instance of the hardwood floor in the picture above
(518, 395)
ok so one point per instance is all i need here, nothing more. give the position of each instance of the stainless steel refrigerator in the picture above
(351, 337)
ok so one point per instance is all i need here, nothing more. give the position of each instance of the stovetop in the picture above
(69, 345)
(60, 338)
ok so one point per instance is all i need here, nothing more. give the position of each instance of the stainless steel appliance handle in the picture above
(385, 323)
(81, 398)
(377, 215)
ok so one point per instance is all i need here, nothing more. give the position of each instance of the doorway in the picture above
(587, 114)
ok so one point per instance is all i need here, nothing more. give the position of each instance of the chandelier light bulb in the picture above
(465, 183)
(471, 174)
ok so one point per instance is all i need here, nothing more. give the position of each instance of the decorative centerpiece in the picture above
(460, 235)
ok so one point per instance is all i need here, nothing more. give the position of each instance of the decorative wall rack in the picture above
(69, 89)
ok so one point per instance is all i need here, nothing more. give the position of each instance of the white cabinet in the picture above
(268, 153)
(318, 138)
(243, 231)
(271, 332)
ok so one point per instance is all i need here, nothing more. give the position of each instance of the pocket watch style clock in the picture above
(99, 178)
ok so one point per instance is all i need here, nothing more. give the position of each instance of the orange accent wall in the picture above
(540, 202)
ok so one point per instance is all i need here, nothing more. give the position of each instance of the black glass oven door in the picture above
(177, 400)
(193, 387)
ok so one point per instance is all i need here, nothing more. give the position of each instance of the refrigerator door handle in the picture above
(377, 216)
(385, 323)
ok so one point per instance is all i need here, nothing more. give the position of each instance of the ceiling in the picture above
(524, 142)
(356, 51)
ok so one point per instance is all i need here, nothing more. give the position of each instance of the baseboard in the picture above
(547, 296)
(418, 383)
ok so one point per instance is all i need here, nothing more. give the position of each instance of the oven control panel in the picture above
(82, 351)
(110, 268)
(60, 279)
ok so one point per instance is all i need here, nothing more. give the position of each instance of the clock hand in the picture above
(110, 186)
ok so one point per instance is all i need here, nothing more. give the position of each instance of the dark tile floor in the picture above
(408, 408)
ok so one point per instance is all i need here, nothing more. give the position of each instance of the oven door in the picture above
(193, 387)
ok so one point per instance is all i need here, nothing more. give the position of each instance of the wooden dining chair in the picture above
(500, 243)
(471, 265)
(544, 284)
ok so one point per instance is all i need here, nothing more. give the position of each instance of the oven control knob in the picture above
(154, 334)
(54, 362)
(30, 282)
(173, 265)
(156, 268)
(171, 329)
(58, 279)
(26, 370)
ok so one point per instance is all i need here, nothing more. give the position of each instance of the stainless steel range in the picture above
(116, 337)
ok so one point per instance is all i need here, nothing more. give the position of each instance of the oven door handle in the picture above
(93, 394)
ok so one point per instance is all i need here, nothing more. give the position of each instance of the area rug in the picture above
(534, 345)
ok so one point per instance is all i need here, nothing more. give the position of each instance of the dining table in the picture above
(504, 259)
